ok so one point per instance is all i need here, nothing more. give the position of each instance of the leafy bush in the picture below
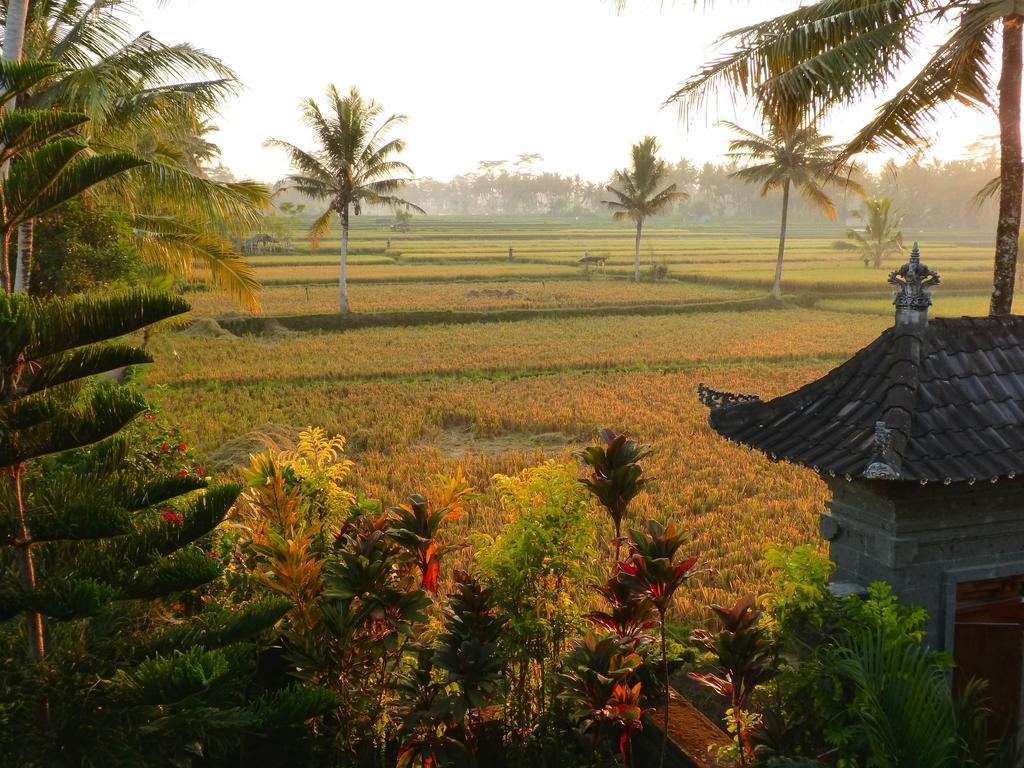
(538, 568)
(855, 685)
(79, 247)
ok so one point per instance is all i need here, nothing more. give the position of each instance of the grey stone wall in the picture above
(925, 539)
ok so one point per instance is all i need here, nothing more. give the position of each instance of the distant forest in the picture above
(932, 195)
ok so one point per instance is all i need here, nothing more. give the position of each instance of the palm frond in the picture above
(802, 62)
(169, 244)
(960, 70)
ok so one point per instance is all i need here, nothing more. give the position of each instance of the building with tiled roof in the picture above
(920, 438)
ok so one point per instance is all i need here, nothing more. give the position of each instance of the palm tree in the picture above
(785, 159)
(835, 52)
(883, 234)
(353, 166)
(152, 99)
(637, 193)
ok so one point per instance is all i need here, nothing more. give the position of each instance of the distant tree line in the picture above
(933, 195)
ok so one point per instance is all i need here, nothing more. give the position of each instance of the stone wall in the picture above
(925, 539)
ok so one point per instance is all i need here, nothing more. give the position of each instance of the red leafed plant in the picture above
(597, 681)
(414, 527)
(624, 710)
(744, 657)
(629, 614)
(653, 571)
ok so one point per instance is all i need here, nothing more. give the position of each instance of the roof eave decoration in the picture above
(716, 400)
(885, 461)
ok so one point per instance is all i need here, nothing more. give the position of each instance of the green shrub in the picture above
(538, 568)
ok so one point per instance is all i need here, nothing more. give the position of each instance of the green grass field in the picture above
(497, 396)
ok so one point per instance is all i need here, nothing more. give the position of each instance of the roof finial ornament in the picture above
(912, 284)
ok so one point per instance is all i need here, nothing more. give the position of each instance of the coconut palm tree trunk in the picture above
(777, 284)
(14, 34)
(343, 267)
(23, 271)
(636, 257)
(1011, 173)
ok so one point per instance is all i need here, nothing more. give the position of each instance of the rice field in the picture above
(494, 397)
(521, 294)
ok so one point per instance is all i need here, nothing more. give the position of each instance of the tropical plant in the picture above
(354, 165)
(636, 192)
(882, 235)
(154, 100)
(785, 159)
(453, 680)
(537, 567)
(652, 571)
(833, 52)
(629, 614)
(414, 527)
(103, 542)
(598, 681)
(858, 684)
(617, 475)
(744, 658)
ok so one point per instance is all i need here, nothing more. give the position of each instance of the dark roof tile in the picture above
(950, 392)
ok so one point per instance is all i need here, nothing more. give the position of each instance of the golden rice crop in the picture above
(378, 297)
(946, 304)
(539, 344)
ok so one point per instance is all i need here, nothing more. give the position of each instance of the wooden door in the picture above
(989, 644)
(993, 652)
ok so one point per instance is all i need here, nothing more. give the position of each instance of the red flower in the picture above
(150, 417)
(200, 471)
(163, 448)
(172, 517)
(183, 473)
(182, 447)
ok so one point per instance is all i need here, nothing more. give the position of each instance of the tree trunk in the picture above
(23, 545)
(342, 276)
(777, 285)
(14, 44)
(5, 253)
(14, 34)
(1010, 170)
(636, 260)
(23, 270)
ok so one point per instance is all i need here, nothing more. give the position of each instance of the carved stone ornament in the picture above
(912, 282)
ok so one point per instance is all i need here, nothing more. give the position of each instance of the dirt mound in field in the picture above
(456, 442)
(235, 452)
(207, 328)
(274, 330)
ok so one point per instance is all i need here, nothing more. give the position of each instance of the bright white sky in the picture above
(480, 79)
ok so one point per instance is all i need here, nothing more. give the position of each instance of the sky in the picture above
(573, 80)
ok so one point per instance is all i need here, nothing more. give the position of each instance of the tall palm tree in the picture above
(637, 194)
(152, 99)
(834, 52)
(883, 233)
(353, 166)
(783, 160)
